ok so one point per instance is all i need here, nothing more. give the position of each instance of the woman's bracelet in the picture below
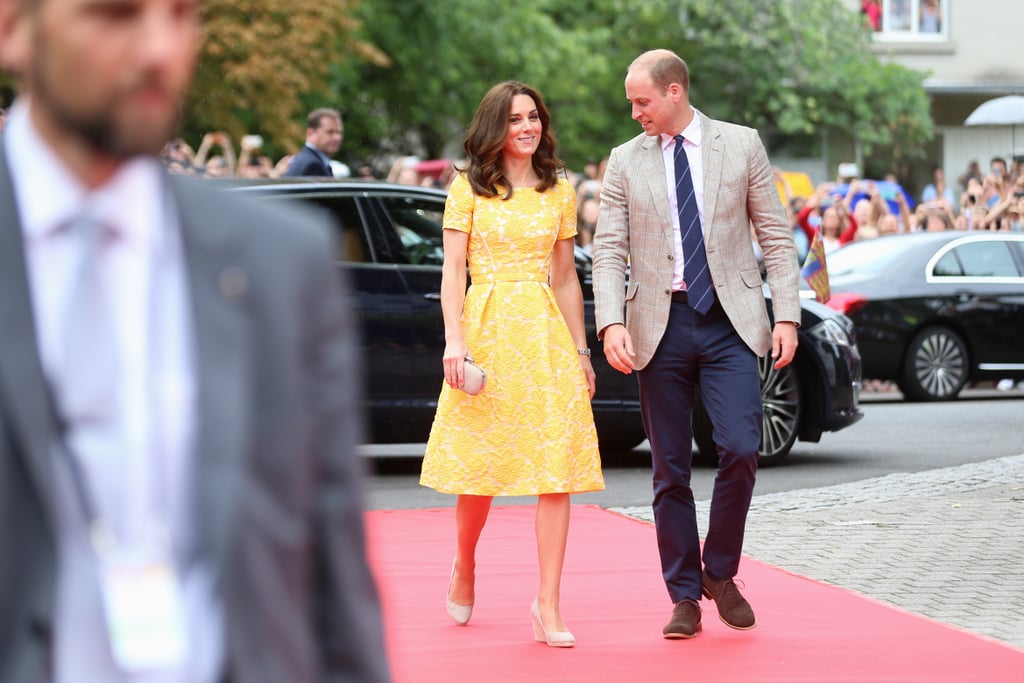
(583, 352)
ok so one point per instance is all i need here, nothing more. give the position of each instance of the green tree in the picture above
(795, 67)
(444, 57)
(264, 60)
(408, 74)
(791, 66)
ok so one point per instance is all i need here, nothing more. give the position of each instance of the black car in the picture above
(390, 244)
(934, 311)
(818, 392)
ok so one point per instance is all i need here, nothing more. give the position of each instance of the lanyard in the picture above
(100, 534)
(144, 481)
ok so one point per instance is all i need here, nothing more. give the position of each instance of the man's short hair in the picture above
(317, 115)
(665, 68)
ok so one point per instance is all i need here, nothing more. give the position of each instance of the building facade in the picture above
(971, 53)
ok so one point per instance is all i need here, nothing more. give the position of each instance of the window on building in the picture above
(914, 20)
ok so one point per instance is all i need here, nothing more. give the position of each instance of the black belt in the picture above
(679, 296)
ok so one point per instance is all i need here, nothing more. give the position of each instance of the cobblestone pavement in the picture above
(946, 544)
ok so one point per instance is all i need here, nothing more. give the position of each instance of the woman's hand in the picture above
(588, 372)
(453, 360)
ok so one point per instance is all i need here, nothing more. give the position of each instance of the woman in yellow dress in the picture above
(531, 430)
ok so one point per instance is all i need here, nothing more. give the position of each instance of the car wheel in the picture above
(781, 406)
(935, 366)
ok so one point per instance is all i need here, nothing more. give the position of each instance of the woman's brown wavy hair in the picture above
(485, 142)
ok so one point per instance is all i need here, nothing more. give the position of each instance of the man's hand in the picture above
(784, 343)
(618, 348)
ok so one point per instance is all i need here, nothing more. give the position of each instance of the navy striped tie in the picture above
(695, 264)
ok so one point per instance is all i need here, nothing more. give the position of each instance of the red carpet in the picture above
(614, 601)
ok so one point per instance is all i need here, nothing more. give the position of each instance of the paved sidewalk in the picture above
(947, 543)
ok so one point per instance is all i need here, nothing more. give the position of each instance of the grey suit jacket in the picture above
(276, 492)
(635, 223)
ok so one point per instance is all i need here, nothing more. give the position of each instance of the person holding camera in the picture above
(829, 215)
(938, 190)
(1006, 215)
(323, 139)
(216, 165)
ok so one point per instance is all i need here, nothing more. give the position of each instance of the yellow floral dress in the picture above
(531, 430)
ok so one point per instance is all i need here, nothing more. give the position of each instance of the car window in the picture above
(418, 222)
(869, 256)
(948, 266)
(985, 259)
(352, 244)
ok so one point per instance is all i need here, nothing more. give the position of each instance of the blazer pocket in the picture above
(631, 290)
(751, 277)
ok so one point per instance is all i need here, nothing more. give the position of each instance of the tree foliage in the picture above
(444, 57)
(264, 59)
(408, 74)
(790, 66)
(795, 67)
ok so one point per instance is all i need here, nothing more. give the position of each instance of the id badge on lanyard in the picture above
(143, 605)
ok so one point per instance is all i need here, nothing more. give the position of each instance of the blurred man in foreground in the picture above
(179, 492)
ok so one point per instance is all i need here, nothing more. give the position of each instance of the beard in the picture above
(112, 126)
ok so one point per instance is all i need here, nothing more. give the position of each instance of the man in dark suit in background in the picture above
(323, 138)
(179, 487)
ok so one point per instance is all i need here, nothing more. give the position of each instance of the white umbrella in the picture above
(1002, 111)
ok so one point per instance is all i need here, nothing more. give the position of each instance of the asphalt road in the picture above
(894, 436)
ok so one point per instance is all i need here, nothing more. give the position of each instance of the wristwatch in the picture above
(583, 352)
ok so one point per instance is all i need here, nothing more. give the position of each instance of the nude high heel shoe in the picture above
(460, 613)
(542, 635)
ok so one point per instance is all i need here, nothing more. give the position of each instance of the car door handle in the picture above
(432, 296)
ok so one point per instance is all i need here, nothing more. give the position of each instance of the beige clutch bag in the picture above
(474, 377)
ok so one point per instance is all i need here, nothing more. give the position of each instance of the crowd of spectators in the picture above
(979, 201)
(215, 158)
(864, 209)
(588, 200)
(985, 201)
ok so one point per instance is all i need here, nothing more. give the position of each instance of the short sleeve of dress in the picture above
(567, 225)
(458, 208)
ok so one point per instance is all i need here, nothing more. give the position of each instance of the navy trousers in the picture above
(701, 353)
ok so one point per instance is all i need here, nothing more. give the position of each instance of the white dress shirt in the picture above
(691, 146)
(144, 488)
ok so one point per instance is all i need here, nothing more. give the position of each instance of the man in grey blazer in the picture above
(222, 453)
(678, 345)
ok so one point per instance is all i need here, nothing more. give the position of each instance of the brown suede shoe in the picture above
(733, 608)
(685, 622)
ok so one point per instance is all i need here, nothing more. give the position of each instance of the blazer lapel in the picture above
(22, 382)
(652, 167)
(218, 295)
(711, 156)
